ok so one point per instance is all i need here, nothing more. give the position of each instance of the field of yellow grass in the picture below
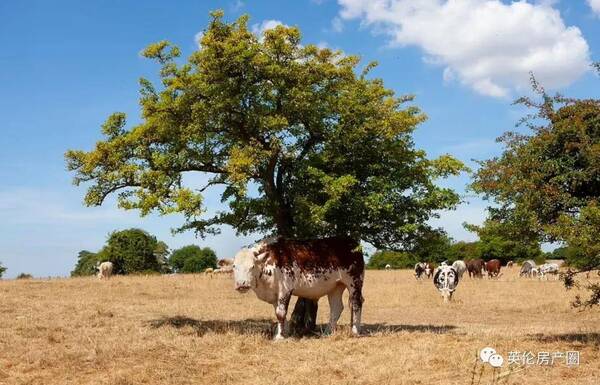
(193, 329)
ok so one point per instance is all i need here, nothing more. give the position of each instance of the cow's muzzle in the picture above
(242, 288)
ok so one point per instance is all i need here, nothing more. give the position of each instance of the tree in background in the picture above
(161, 253)
(2, 270)
(498, 240)
(192, 259)
(86, 264)
(301, 144)
(551, 177)
(131, 251)
(464, 251)
(396, 259)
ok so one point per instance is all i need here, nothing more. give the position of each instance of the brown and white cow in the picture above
(278, 268)
(493, 268)
(475, 268)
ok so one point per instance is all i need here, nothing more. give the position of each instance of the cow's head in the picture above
(446, 280)
(246, 268)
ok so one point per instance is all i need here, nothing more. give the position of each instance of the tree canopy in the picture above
(548, 181)
(193, 259)
(131, 251)
(300, 143)
(86, 264)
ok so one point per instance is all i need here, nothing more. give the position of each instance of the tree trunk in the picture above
(304, 317)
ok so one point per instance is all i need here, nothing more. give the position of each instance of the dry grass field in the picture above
(196, 330)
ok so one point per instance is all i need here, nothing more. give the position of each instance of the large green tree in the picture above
(301, 143)
(549, 179)
(193, 259)
(131, 251)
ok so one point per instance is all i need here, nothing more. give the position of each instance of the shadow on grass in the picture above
(201, 327)
(580, 338)
(265, 327)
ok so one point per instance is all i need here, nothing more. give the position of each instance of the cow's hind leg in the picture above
(281, 309)
(336, 306)
(356, 301)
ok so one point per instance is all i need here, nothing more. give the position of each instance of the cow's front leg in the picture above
(281, 309)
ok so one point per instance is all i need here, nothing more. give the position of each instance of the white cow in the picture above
(388, 267)
(278, 269)
(460, 267)
(105, 270)
(548, 268)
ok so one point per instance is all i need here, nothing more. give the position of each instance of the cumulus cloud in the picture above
(487, 45)
(595, 5)
(259, 28)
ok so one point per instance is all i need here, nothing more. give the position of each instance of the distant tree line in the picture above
(135, 251)
(495, 242)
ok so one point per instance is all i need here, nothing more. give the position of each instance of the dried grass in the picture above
(192, 329)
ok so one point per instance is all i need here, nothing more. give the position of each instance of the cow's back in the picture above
(317, 255)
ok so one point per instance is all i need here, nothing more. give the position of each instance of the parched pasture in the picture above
(193, 329)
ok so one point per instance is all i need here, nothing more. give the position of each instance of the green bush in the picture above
(2, 270)
(396, 259)
(192, 259)
(86, 264)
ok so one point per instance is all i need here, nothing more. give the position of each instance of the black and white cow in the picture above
(278, 268)
(445, 279)
(423, 268)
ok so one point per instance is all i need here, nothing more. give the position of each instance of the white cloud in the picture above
(259, 29)
(337, 25)
(198, 38)
(237, 5)
(595, 5)
(487, 45)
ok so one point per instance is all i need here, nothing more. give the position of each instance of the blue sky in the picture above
(66, 65)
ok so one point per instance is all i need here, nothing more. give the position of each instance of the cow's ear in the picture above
(260, 257)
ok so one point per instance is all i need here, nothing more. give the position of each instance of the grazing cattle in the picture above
(548, 268)
(277, 269)
(510, 264)
(493, 268)
(446, 281)
(224, 263)
(526, 269)
(475, 267)
(420, 269)
(429, 268)
(388, 267)
(105, 270)
(460, 268)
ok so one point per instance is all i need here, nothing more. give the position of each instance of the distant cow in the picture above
(510, 264)
(388, 267)
(548, 268)
(526, 269)
(460, 268)
(278, 268)
(105, 270)
(493, 268)
(224, 263)
(446, 281)
(475, 267)
(420, 269)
